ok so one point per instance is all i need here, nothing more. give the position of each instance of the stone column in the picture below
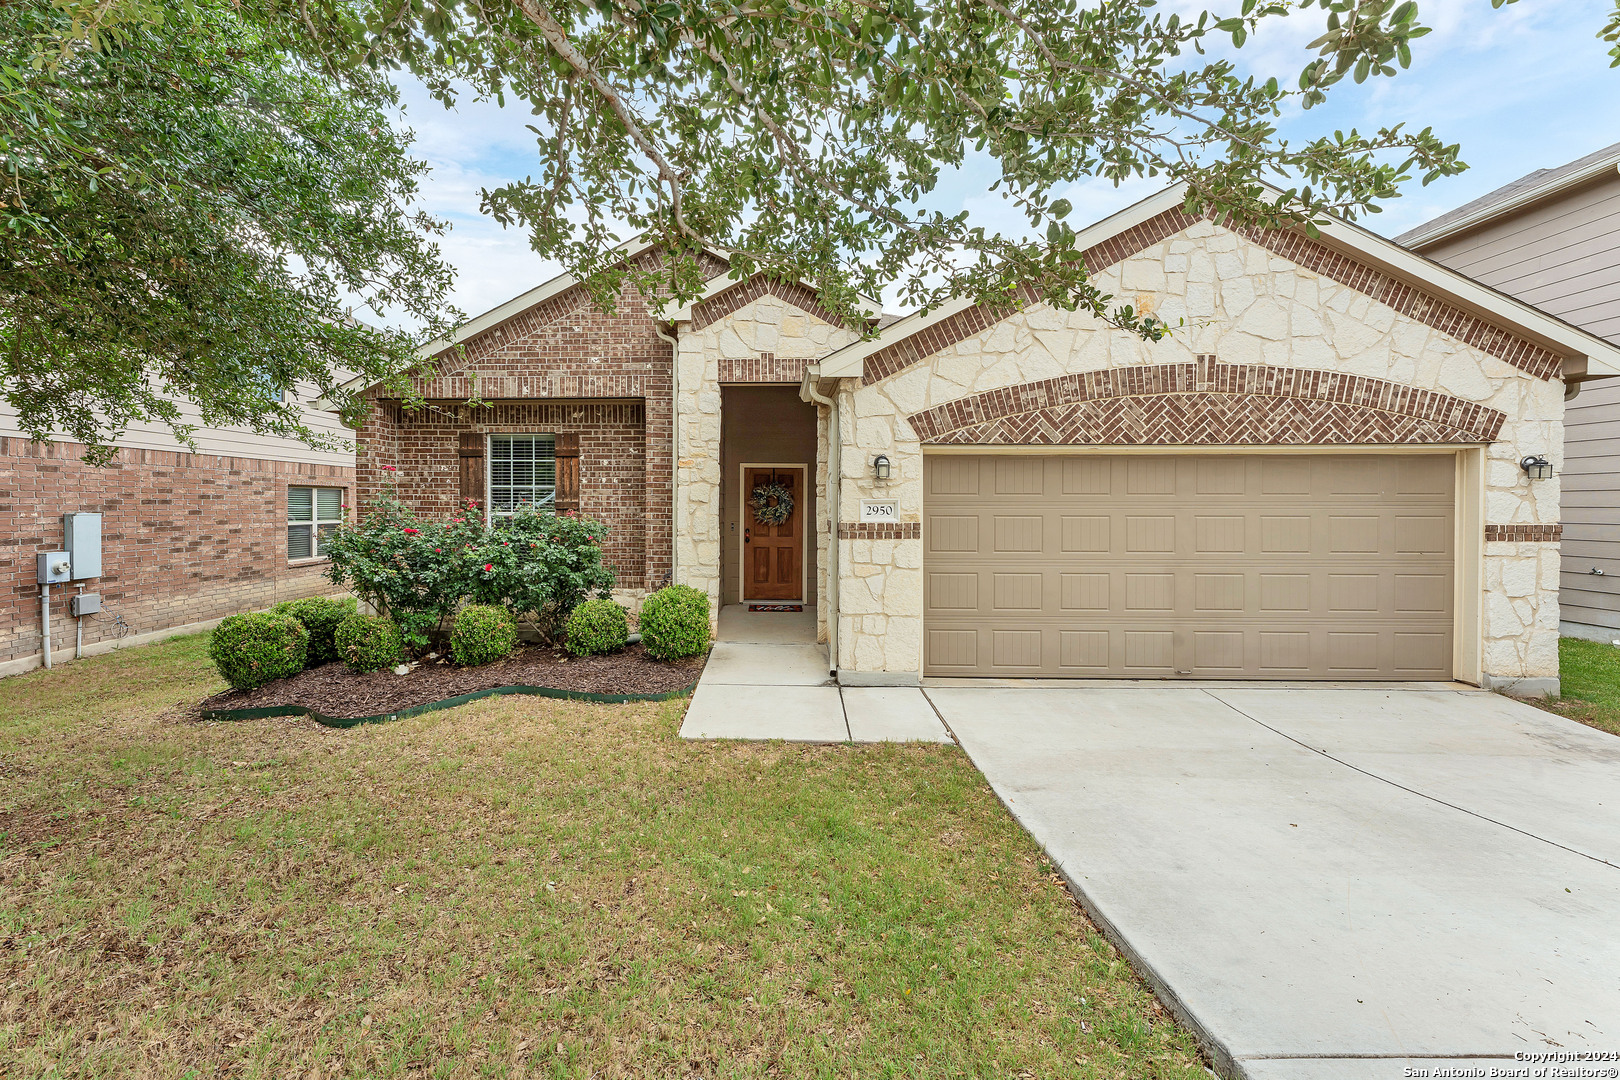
(697, 470)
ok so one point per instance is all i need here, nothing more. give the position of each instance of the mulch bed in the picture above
(335, 691)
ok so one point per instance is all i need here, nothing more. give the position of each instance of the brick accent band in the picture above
(1409, 300)
(744, 293)
(764, 368)
(880, 530)
(1207, 403)
(1523, 534)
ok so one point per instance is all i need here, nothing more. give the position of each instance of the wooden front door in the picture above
(773, 554)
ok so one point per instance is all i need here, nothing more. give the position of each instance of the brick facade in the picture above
(742, 294)
(575, 368)
(186, 538)
(612, 467)
(1207, 403)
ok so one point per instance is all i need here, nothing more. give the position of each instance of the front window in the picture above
(312, 514)
(522, 472)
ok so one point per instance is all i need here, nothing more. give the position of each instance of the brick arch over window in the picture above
(1207, 403)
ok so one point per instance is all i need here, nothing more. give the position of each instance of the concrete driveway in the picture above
(1331, 883)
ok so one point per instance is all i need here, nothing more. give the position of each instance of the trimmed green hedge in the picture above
(596, 627)
(483, 633)
(675, 622)
(320, 616)
(368, 642)
(258, 647)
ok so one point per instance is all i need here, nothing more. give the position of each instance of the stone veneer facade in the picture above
(727, 340)
(1270, 352)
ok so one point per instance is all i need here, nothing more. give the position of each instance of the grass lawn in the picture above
(1589, 677)
(521, 887)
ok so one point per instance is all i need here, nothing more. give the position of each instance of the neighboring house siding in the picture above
(186, 539)
(227, 441)
(1563, 255)
(1592, 507)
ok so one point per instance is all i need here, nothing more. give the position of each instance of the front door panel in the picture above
(773, 553)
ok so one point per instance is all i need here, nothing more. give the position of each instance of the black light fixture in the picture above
(1536, 467)
(880, 467)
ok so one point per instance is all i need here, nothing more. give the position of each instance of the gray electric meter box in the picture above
(81, 534)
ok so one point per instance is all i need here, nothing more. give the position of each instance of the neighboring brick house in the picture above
(188, 537)
(1316, 476)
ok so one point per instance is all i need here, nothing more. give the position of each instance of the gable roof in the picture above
(801, 295)
(1541, 184)
(1521, 334)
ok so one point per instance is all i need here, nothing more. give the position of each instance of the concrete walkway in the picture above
(768, 679)
(1333, 884)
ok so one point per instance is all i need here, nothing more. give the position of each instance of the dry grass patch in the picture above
(521, 887)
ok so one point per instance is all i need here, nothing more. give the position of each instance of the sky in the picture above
(1520, 88)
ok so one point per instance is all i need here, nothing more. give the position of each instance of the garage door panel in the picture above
(1252, 567)
(1085, 476)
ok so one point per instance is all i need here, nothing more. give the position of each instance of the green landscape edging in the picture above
(433, 706)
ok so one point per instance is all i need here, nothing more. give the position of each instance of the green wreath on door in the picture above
(771, 503)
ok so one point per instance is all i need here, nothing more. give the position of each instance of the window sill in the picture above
(314, 560)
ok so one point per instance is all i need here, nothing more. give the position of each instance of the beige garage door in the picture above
(1265, 566)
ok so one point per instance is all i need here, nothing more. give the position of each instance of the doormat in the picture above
(775, 607)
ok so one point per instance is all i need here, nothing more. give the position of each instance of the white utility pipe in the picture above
(674, 449)
(808, 390)
(45, 622)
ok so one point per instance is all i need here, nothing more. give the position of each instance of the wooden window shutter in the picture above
(568, 472)
(472, 465)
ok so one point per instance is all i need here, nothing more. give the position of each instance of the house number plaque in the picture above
(879, 511)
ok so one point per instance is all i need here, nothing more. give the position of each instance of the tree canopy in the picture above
(191, 209)
(196, 189)
(806, 136)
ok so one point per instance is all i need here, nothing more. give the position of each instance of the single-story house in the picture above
(1552, 239)
(1343, 463)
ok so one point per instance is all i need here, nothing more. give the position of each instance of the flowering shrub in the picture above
(540, 566)
(418, 572)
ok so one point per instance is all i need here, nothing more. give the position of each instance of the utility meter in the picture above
(55, 567)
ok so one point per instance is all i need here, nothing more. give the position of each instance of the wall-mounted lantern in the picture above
(1536, 467)
(880, 467)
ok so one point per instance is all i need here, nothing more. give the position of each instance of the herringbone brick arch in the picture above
(1207, 403)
